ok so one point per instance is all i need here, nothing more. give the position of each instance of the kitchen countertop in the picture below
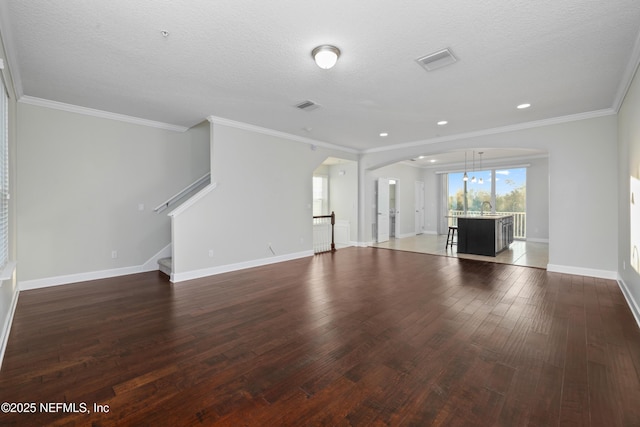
(488, 216)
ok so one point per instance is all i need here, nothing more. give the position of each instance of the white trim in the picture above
(193, 200)
(632, 303)
(405, 235)
(211, 271)
(627, 76)
(152, 263)
(7, 272)
(494, 131)
(536, 240)
(349, 244)
(25, 99)
(505, 165)
(8, 321)
(579, 271)
(78, 277)
(278, 134)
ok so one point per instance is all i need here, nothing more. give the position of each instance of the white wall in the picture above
(538, 200)
(629, 166)
(582, 172)
(431, 197)
(406, 176)
(80, 182)
(343, 195)
(262, 199)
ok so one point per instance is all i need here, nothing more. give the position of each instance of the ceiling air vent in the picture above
(307, 106)
(437, 60)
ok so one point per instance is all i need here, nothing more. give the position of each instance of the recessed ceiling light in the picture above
(523, 106)
(164, 33)
(442, 122)
(383, 134)
(433, 160)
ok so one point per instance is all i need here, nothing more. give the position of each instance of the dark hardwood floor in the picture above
(363, 337)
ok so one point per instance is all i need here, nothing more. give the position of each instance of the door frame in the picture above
(418, 189)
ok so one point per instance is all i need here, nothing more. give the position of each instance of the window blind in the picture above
(4, 178)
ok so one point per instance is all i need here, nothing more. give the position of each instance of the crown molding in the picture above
(628, 75)
(279, 134)
(498, 130)
(25, 99)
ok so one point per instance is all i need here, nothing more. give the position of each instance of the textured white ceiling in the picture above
(250, 61)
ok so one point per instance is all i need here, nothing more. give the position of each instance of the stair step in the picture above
(166, 265)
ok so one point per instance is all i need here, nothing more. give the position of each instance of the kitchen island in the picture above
(484, 234)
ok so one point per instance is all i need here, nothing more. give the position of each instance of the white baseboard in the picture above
(632, 303)
(78, 277)
(536, 240)
(579, 271)
(344, 245)
(7, 324)
(150, 265)
(211, 271)
(404, 236)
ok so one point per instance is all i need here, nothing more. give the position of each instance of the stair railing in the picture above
(205, 179)
(321, 242)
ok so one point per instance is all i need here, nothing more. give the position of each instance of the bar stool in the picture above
(450, 235)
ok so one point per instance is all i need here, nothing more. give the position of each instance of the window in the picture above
(320, 195)
(505, 189)
(511, 190)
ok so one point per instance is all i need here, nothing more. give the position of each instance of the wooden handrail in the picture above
(176, 197)
(333, 223)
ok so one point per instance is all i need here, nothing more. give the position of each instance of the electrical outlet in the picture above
(210, 253)
(114, 254)
(140, 206)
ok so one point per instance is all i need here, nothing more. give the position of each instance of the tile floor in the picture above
(520, 252)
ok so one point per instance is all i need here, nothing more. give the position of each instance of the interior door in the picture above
(383, 210)
(419, 202)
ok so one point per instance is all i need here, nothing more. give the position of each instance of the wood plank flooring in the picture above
(362, 337)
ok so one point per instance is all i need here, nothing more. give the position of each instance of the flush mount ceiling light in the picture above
(326, 56)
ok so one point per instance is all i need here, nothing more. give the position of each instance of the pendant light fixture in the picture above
(480, 180)
(473, 178)
(465, 177)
